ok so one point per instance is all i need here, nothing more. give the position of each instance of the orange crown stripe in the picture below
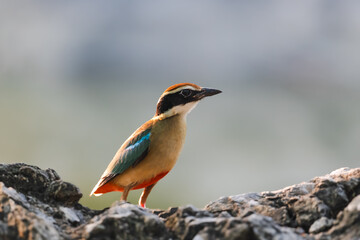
(182, 85)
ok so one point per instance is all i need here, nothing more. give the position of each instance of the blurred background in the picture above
(77, 78)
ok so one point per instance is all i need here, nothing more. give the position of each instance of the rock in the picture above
(321, 225)
(125, 221)
(331, 193)
(45, 185)
(63, 192)
(347, 223)
(308, 209)
(18, 222)
(70, 215)
(266, 228)
(37, 204)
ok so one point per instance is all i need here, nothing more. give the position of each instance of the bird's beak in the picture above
(206, 92)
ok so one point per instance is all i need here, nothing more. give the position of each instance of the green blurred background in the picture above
(78, 77)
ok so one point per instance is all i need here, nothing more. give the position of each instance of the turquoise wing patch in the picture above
(131, 155)
(134, 152)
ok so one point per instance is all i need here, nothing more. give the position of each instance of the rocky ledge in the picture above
(37, 204)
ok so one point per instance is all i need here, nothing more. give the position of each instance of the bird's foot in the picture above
(123, 202)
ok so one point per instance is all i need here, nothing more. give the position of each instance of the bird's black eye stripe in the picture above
(186, 92)
(169, 101)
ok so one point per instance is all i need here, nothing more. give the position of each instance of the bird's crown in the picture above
(180, 86)
(181, 98)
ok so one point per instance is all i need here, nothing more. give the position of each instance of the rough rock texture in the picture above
(37, 204)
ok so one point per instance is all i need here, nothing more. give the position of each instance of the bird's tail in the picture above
(96, 188)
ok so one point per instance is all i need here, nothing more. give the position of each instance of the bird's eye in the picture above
(185, 92)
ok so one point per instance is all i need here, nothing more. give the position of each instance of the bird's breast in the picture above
(166, 141)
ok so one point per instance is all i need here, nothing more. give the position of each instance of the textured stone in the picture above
(125, 221)
(63, 192)
(347, 223)
(18, 222)
(321, 225)
(45, 185)
(308, 209)
(37, 204)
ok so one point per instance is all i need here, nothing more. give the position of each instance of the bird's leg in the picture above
(125, 193)
(145, 194)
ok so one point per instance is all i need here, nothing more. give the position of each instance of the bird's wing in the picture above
(129, 155)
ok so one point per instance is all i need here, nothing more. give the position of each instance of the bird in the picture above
(153, 149)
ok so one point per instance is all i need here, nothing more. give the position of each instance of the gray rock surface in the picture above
(37, 204)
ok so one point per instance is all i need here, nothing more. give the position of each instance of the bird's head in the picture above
(181, 99)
